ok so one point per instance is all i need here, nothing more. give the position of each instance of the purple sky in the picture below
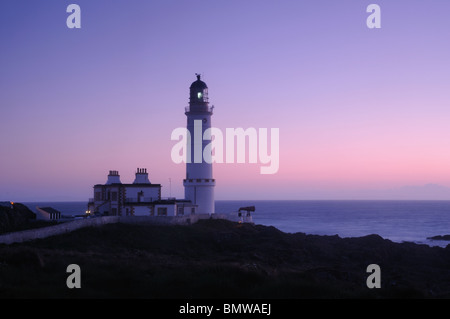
(362, 112)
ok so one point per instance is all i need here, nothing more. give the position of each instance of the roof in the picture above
(199, 84)
(50, 210)
(186, 202)
(130, 185)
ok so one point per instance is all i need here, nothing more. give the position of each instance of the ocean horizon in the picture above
(396, 220)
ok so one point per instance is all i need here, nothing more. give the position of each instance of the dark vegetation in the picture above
(219, 259)
(18, 217)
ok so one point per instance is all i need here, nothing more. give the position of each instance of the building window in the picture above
(180, 211)
(193, 210)
(114, 196)
(162, 211)
(114, 211)
(98, 196)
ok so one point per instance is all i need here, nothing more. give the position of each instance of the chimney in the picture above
(113, 178)
(141, 176)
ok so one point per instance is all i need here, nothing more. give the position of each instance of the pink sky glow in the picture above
(362, 112)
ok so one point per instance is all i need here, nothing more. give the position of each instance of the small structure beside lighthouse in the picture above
(199, 182)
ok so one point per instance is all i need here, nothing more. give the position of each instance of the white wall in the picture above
(187, 210)
(42, 215)
(171, 209)
(201, 194)
(141, 211)
(149, 192)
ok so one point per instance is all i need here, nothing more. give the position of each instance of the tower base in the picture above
(201, 193)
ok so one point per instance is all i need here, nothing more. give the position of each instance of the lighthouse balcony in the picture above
(201, 108)
(199, 181)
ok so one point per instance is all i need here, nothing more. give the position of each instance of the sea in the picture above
(396, 220)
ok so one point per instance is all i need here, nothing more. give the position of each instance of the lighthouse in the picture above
(199, 183)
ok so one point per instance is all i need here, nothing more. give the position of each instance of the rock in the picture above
(15, 218)
(440, 237)
(220, 259)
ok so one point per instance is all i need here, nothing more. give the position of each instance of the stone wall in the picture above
(69, 226)
(62, 228)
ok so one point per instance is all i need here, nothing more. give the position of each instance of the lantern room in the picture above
(198, 92)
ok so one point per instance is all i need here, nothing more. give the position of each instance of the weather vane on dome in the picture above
(198, 75)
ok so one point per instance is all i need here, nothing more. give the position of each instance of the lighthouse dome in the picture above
(199, 84)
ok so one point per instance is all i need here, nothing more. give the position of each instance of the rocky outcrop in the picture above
(220, 259)
(440, 237)
(15, 217)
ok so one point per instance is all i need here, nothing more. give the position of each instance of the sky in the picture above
(362, 113)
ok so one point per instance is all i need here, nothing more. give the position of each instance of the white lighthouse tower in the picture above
(199, 183)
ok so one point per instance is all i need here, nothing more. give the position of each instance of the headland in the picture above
(219, 259)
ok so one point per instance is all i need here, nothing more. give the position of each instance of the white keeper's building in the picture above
(140, 198)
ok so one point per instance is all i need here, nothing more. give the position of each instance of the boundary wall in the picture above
(68, 226)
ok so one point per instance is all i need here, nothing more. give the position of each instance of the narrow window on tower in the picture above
(199, 95)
